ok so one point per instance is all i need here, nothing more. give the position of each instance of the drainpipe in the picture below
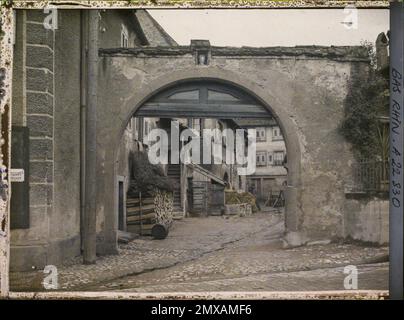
(89, 230)
(83, 102)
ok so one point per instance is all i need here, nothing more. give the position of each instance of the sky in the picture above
(272, 27)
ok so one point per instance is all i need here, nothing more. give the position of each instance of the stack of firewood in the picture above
(150, 215)
(140, 215)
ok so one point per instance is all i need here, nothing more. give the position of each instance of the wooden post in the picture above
(396, 149)
(90, 215)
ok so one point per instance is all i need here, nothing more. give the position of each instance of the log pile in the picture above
(234, 197)
(150, 215)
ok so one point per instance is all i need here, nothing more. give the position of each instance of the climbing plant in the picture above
(366, 105)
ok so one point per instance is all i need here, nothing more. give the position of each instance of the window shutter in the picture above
(19, 215)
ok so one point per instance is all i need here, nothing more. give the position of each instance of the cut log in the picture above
(159, 231)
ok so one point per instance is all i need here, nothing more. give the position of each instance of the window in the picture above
(261, 159)
(276, 134)
(185, 95)
(261, 134)
(221, 96)
(278, 158)
(270, 159)
(124, 37)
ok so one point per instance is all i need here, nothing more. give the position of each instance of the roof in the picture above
(270, 122)
(155, 34)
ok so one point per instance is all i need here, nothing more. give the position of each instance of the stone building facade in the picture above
(270, 175)
(49, 101)
(302, 88)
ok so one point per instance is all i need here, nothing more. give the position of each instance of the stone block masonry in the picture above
(38, 61)
(39, 77)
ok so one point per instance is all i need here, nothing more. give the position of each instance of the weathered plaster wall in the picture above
(367, 220)
(305, 92)
(65, 221)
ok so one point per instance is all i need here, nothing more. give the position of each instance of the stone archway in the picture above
(106, 197)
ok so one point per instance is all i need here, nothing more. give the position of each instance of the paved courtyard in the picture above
(221, 254)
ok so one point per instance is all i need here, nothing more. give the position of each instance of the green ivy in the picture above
(366, 102)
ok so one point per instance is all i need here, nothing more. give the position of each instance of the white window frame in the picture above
(261, 134)
(270, 159)
(278, 136)
(277, 162)
(260, 162)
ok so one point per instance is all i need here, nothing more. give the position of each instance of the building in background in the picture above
(271, 173)
(198, 187)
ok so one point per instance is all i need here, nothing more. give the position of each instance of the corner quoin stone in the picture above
(39, 57)
(39, 80)
(41, 149)
(39, 103)
(40, 126)
(37, 34)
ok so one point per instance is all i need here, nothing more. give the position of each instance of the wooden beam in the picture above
(202, 110)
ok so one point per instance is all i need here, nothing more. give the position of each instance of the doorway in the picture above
(121, 204)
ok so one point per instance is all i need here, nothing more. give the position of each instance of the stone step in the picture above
(126, 237)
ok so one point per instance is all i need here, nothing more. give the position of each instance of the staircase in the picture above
(174, 173)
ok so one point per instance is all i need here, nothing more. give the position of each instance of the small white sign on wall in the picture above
(17, 175)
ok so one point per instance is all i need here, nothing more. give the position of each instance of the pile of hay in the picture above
(233, 197)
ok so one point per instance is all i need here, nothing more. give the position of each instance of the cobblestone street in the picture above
(221, 254)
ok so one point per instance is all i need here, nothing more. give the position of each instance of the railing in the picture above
(370, 177)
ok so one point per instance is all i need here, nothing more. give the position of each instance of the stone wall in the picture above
(367, 220)
(36, 111)
(304, 88)
(49, 96)
(47, 101)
